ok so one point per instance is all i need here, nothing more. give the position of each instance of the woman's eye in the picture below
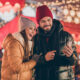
(30, 28)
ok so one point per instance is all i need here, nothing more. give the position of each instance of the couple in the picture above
(51, 51)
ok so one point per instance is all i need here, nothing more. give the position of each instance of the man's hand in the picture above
(68, 51)
(50, 55)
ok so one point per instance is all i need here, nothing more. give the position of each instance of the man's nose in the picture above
(47, 23)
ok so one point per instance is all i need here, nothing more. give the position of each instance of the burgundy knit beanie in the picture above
(43, 11)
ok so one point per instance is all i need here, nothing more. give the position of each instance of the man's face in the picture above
(46, 23)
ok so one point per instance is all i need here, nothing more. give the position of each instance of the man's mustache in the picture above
(46, 26)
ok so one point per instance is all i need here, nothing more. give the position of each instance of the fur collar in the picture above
(20, 38)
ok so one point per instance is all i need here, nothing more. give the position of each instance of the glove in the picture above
(36, 57)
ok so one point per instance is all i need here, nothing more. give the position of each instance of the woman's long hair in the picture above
(27, 52)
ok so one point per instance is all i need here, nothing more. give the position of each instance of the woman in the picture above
(16, 62)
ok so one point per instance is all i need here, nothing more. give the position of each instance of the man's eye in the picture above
(48, 19)
(43, 21)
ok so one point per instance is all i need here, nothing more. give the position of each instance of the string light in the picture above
(75, 42)
(7, 3)
(78, 43)
(28, 11)
(17, 5)
(78, 14)
(65, 11)
(72, 13)
(45, 3)
(69, 18)
(3, 50)
(76, 20)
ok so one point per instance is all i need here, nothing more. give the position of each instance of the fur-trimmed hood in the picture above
(16, 36)
(19, 37)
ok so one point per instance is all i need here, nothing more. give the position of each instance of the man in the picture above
(47, 44)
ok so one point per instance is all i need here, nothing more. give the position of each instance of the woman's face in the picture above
(30, 32)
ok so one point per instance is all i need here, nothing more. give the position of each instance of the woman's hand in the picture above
(36, 57)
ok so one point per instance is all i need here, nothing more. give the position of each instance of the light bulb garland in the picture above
(63, 9)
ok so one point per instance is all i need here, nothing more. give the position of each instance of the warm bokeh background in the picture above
(67, 11)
